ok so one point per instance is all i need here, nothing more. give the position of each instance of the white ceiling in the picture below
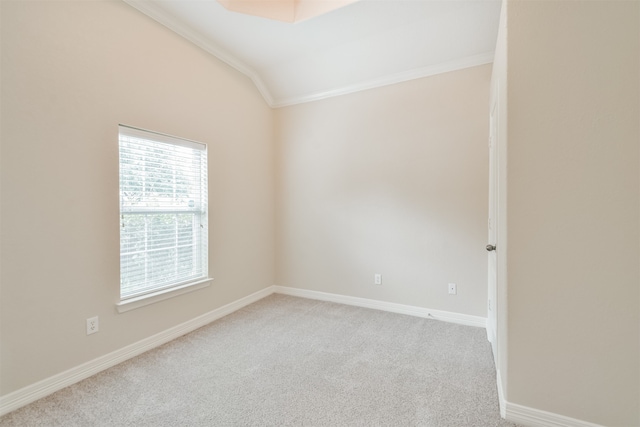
(363, 45)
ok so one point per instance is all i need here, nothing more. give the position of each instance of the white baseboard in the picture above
(501, 401)
(33, 392)
(43, 388)
(513, 412)
(531, 417)
(446, 316)
(516, 413)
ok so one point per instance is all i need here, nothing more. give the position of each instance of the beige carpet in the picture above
(292, 361)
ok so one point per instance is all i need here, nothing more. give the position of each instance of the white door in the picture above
(492, 315)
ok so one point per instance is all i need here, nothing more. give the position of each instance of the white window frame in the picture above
(147, 291)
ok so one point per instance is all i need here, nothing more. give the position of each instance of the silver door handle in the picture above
(491, 248)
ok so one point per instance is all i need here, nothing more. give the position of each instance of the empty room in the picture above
(320, 212)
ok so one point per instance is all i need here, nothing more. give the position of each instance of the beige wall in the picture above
(393, 181)
(71, 71)
(573, 209)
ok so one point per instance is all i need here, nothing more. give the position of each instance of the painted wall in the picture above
(573, 209)
(392, 181)
(71, 71)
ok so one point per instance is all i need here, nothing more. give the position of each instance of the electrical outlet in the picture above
(377, 279)
(453, 290)
(92, 325)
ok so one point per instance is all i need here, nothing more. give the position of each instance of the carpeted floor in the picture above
(292, 361)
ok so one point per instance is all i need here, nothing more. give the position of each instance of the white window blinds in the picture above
(163, 212)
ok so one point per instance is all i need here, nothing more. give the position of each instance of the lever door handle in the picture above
(491, 248)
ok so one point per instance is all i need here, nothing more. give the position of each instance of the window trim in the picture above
(179, 288)
(140, 301)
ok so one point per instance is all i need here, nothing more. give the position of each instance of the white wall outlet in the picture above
(92, 325)
(377, 279)
(453, 290)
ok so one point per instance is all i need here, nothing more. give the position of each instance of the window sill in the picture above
(141, 301)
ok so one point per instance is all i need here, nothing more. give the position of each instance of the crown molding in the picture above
(431, 70)
(158, 14)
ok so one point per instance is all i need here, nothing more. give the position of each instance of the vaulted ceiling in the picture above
(365, 44)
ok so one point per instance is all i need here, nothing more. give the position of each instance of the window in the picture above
(163, 212)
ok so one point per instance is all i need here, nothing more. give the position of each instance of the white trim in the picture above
(431, 70)
(537, 418)
(149, 135)
(446, 316)
(501, 401)
(156, 13)
(491, 336)
(59, 381)
(511, 411)
(141, 301)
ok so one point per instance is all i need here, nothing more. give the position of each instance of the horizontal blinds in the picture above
(163, 212)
